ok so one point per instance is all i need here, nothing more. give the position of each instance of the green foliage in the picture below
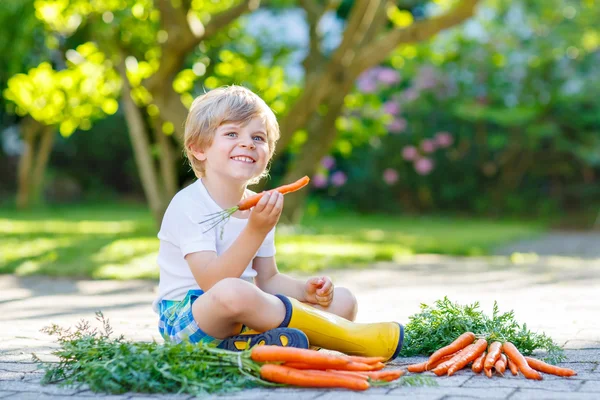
(114, 365)
(439, 325)
(70, 98)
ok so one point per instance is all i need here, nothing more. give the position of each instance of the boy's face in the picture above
(237, 152)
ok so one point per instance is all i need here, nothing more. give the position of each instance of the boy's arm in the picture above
(208, 268)
(271, 281)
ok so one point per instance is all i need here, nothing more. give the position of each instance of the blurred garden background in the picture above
(440, 126)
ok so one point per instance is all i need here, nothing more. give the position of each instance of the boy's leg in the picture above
(231, 303)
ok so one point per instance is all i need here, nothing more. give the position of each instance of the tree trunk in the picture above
(29, 129)
(168, 171)
(322, 134)
(41, 162)
(141, 150)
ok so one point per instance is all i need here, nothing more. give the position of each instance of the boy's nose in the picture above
(246, 143)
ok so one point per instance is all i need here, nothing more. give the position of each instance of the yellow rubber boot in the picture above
(332, 332)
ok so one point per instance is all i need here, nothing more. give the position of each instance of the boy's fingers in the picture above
(262, 202)
(278, 207)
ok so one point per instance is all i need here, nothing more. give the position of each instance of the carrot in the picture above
(549, 369)
(422, 367)
(500, 365)
(459, 343)
(493, 355)
(281, 374)
(388, 376)
(443, 367)
(214, 219)
(367, 360)
(515, 355)
(253, 200)
(487, 371)
(513, 368)
(351, 366)
(267, 353)
(475, 351)
(477, 366)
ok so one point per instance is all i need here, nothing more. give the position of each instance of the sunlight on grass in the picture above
(119, 241)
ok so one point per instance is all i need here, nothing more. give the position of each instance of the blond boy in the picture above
(216, 285)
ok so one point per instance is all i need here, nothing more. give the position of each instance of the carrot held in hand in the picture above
(493, 355)
(475, 351)
(460, 343)
(477, 366)
(500, 365)
(549, 369)
(216, 218)
(281, 374)
(515, 355)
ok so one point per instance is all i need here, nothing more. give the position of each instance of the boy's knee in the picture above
(231, 296)
(348, 305)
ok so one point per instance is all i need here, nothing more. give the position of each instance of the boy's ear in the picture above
(198, 153)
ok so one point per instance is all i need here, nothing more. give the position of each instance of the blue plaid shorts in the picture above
(177, 324)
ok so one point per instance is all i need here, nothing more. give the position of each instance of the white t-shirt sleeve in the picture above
(267, 248)
(181, 226)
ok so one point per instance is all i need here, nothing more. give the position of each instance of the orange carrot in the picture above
(513, 368)
(515, 355)
(460, 343)
(267, 353)
(422, 367)
(367, 360)
(351, 366)
(493, 355)
(477, 366)
(487, 371)
(549, 369)
(500, 365)
(253, 200)
(388, 375)
(281, 374)
(475, 351)
(443, 367)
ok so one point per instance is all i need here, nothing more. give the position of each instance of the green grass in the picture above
(115, 241)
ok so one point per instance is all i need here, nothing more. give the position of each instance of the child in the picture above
(216, 285)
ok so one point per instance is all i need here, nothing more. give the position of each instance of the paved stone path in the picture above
(556, 291)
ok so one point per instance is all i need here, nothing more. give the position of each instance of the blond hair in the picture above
(222, 105)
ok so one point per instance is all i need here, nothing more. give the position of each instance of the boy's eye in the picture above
(231, 134)
(260, 138)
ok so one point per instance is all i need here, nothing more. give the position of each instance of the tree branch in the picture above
(376, 53)
(378, 25)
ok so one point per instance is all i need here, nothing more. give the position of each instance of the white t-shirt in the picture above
(181, 234)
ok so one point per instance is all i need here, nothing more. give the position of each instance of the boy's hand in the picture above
(319, 290)
(266, 213)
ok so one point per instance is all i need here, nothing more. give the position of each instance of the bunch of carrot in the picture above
(312, 368)
(495, 357)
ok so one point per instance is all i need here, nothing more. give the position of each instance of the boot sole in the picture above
(285, 337)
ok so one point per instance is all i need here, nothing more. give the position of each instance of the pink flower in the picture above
(390, 176)
(410, 94)
(423, 166)
(428, 145)
(426, 78)
(367, 85)
(409, 153)
(398, 125)
(388, 76)
(444, 139)
(338, 178)
(319, 181)
(328, 162)
(391, 107)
